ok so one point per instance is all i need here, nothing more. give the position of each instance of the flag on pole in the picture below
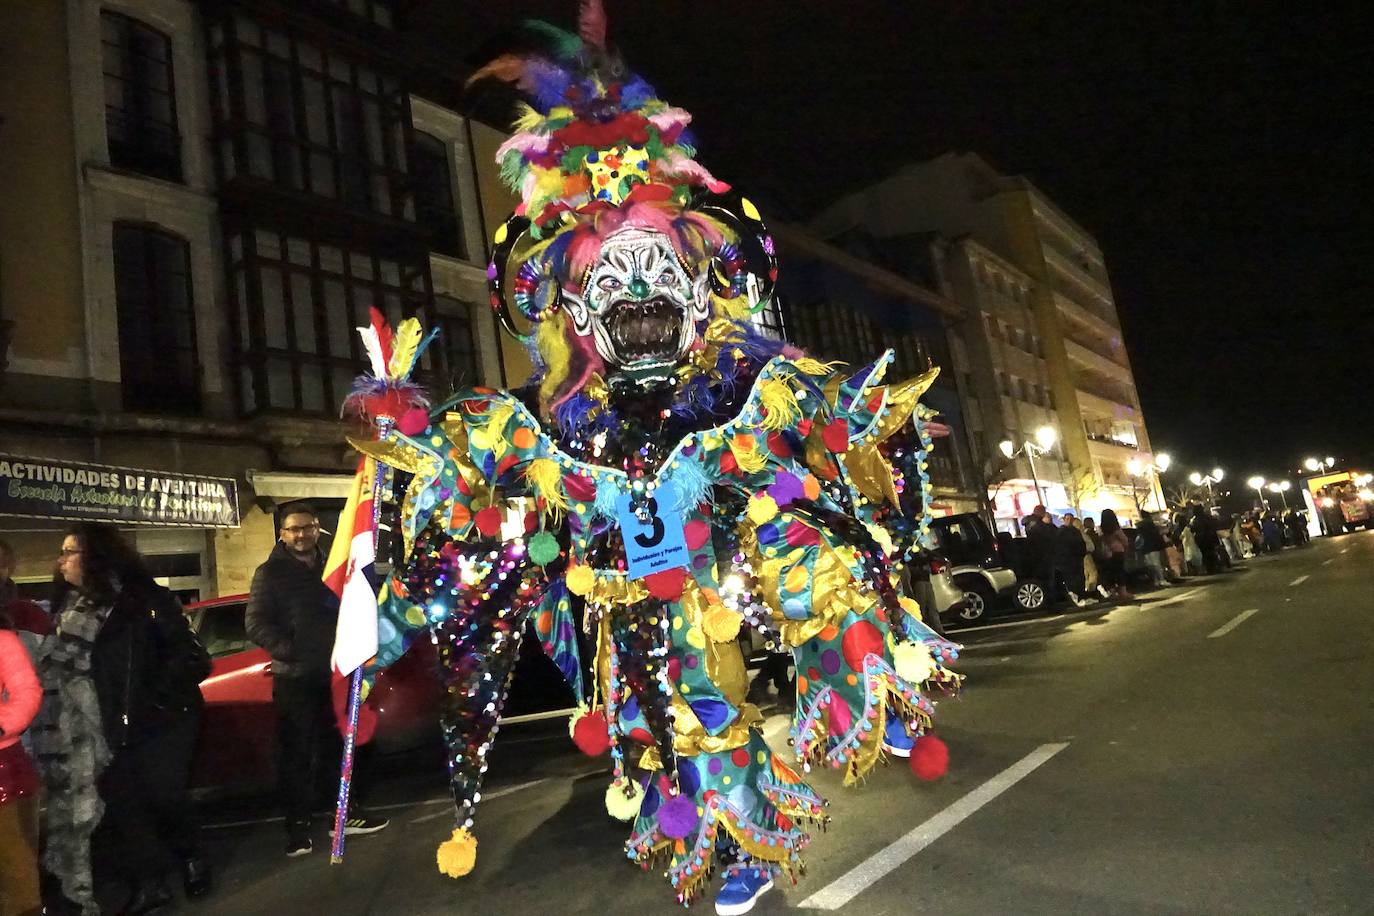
(348, 573)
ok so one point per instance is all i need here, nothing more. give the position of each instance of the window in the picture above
(434, 200)
(308, 119)
(297, 302)
(158, 363)
(456, 342)
(140, 100)
(221, 629)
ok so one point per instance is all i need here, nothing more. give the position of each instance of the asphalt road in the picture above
(1205, 750)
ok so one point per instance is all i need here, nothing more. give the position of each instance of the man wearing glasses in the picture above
(292, 614)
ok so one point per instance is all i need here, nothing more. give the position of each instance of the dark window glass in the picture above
(221, 630)
(158, 363)
(309, 119)
(172, 564)
(457, 347)
(434, 200)
(140, 99)
(298, 302)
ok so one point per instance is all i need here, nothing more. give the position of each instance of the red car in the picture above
(238, 730)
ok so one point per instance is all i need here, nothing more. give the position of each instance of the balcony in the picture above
(1092, 405)
(1079, 278)
(1092, 320)
(1097, 363)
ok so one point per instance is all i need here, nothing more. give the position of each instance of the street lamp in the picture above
(1281, 488)
(1199, 480)
(1257, 484)
(1162, 461)
(1045, 437)
(1144, 470)
(1316, 464)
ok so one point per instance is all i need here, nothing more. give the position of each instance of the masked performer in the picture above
(668, 476)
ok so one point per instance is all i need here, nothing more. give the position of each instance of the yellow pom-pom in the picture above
(581, 579)
(620, 806)
(457, 854)
(720, 623)
(762, 509)
(913, 662)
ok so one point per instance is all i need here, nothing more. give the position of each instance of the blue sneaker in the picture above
(895, 739)
(744, 885)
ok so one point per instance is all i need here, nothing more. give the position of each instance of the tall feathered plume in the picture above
(386, 393)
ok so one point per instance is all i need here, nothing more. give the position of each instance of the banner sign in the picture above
(81, 491)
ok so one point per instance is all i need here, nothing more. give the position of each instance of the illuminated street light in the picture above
(1281, 488)
(1329, 463)
(1312, 464)
(1045, 438)
(1195, 479)
(1163, 460)
(1199, 480)
(1256, 483)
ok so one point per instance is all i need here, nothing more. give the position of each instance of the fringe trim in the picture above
(696, 863)
(860, 749)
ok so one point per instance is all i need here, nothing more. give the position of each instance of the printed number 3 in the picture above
(653, 538)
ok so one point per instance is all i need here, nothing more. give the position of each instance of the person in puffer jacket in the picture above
(20, 696)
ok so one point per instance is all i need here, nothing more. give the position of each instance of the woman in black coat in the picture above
(121, 680)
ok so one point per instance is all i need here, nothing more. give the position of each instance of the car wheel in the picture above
(1030, 595)
(978, 598)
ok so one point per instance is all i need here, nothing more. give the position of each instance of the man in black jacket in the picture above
(292, 614)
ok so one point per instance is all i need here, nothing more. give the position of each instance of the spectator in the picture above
(1092, 581)
(22, 613)
(20, 696)
(1113, 571)
(1273, 534)
(1071, 550)
(1151, 545)
(1041, 548)
(292, 614)
(121, 680)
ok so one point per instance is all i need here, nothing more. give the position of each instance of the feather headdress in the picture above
(386, 392)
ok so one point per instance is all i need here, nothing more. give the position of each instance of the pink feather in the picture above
(591, 24)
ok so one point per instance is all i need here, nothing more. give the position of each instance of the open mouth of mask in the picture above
(643, 333)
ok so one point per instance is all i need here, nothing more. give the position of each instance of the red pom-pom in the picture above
(929, 758)
(666, 584)
(489, 521)
(413, 422)
(589, 734)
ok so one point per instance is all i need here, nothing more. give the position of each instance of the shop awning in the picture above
(284, 486)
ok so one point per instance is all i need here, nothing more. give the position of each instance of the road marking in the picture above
(1345, 550)
(1233, 623)
(1177, 599)
(1069, 615)
(1329, 561)
(849, 885)
(509, 790)
(1298, 581)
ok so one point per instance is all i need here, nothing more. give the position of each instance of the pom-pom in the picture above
(762, 509)
(623, 799)
(677, 817)
(666, 584)
(413, 422)
(929, 758)
(913, 662)
(588, 732)
(489, 521)
(543, 548)
(457, 854)
(580, 580)
(720, 623)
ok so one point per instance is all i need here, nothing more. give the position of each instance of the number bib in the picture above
(658, 542)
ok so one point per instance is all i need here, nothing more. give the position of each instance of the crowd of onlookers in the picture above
(1084, 560)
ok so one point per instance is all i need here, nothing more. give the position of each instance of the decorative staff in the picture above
(384, 398)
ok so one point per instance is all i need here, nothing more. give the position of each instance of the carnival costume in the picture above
(669, 475)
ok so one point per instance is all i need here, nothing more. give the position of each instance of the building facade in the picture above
(1076, 332)
(841, 304)
(202, 202)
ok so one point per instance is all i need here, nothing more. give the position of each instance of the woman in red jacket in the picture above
(20, 696)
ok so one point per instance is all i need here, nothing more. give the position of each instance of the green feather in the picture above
(561, 44)
(513, 170)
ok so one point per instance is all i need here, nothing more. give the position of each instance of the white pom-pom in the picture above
(913, 662)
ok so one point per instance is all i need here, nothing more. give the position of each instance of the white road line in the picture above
(1328, 562)
(1175, 600)
(1345, 550)
(849, 885)
(509, 790)
(1070, 615)
(1233, 623)
(1298, 581)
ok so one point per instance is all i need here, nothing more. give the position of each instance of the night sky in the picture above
(1220, 154)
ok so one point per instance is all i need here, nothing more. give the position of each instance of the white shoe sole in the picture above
(738, 909)
(897, 751)
(297, 853)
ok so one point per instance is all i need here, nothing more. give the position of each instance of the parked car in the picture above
(978, 568)
(942, 602)
(238, 728)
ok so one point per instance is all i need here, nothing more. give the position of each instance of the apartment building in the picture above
(202, 200)
(1076, 332)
